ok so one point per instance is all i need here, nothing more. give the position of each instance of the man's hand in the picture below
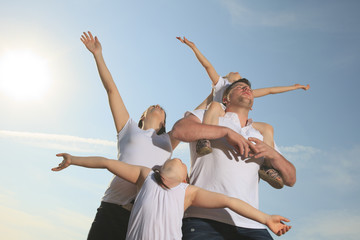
(91, 43)
(65, 163)
(263, 150)
(186, 41)
(241, 144)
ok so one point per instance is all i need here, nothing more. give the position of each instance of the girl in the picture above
(164, 195)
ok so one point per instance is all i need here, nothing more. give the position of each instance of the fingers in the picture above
(253, 139)
(285, 219)
(181, 40)
(91, 36)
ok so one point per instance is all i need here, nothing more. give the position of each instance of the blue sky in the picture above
(272, 43)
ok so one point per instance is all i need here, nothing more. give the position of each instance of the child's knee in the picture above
(216, 107)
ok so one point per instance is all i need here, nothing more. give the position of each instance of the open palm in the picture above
(91, 43)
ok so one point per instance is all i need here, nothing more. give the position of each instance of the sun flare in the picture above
(23, 75)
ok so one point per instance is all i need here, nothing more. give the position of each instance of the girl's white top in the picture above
(157, 213)
(137, 147)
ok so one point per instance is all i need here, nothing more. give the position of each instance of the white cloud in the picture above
(57, 141)
(248, 17)
(329, 225)
(60, 224)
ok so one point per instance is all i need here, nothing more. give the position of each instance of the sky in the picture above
(52, 100)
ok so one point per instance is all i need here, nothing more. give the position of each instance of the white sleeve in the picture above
(219, 89)
(197, 113)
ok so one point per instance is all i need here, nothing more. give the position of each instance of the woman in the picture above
(136, 142)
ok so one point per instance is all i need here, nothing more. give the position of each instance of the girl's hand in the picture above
(65, 163)
(276, 225)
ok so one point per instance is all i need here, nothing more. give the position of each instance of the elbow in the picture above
(291, 180)
(176, 131)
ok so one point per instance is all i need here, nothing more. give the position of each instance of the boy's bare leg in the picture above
(211, 117)
(267, 172)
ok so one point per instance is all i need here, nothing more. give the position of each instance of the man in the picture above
(231, 168)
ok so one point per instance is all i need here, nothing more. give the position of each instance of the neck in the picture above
(170, 179)
(148, 124)
(243, 114)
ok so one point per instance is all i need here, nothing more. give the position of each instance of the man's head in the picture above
(239, 92)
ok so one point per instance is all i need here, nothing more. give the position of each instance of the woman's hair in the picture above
(161, 130)
(159, 179)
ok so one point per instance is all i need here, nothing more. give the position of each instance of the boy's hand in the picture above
(302, 86)
(186, 41)
(65, 163)
(91, 43)
(276, 225)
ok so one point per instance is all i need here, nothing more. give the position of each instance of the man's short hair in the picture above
(231, 86)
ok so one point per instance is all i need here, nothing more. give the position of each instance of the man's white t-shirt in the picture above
(157, 212)
(137, 147)
(223, 172)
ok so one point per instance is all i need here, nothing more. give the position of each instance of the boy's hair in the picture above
(227, 90)
(159, 179)
(161, 130)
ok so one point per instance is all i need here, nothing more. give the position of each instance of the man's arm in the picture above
(189, 129)
(279, 162)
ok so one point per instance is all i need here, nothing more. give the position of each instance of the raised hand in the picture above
(65, 163)
(186, 41)
(302, 86)
(276, 225)
(91, 43)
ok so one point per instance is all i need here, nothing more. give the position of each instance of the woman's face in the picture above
(155, 111)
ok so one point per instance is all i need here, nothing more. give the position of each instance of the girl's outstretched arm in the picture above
(273, 90)
(131, 173)
(202, 59)
(199, 197)
(117, 106)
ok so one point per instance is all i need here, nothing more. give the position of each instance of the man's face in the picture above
(242, 94)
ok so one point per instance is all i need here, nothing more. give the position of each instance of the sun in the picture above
(24, 75)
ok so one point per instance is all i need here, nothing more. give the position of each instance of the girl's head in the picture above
(233, 76)
(155, 114)
(173, 169)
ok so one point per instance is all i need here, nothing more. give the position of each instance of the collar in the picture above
(234, 117)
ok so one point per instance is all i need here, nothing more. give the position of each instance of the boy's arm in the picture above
(131, 173)
(202, 59)
(117, 106)
(273, 90)
(199, 197)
